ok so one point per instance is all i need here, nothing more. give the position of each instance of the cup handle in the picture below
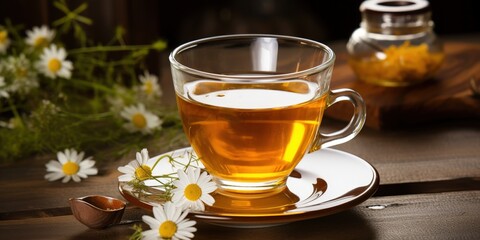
(354, 126)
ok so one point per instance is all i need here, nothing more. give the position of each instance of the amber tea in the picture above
(251, 133)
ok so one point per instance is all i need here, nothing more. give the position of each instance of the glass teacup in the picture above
(251, 106)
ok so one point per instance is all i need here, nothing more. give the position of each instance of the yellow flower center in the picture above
(149, 87)
(21, 72)
(70, 168)
(139, 120)
(54, 65)
(193, 192)
(40, 42)
(3, 36)
(143, 172)
(167, 229)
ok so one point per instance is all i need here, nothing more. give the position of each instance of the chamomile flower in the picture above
(150, 86)
(192, 189)
(4, 40)
(23, 77)
(70, 165)
(139, 119)
(13, 123)
(3, 91)
(136, 169)
(169, 222)
(40, 37)
(120, 98)
(53, 64)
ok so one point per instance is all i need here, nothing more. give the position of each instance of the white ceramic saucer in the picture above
(325, 182)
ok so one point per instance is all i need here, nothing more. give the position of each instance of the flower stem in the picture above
(108, 49)
(15, 112)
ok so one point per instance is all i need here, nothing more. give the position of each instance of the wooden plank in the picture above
(425, 216)
(441, 152)
(24, 191)
(30, 192)
(452, 215)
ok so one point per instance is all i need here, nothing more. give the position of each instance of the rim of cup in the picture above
(283, 76)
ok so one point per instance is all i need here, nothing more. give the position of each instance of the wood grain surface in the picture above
(421, 216)
(447, 96)
(429, 189)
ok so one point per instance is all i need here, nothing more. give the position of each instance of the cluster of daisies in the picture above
(28, 64)
(191, 190)
(21, 72)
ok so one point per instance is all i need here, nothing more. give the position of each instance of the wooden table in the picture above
(429, 189)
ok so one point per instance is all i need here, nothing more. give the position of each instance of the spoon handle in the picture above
(130, 221)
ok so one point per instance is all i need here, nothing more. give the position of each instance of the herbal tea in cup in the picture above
(252, 105)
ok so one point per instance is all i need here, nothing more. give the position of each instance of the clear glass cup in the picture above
(251, 106)
(395, 44)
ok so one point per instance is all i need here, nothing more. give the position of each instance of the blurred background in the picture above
(177, 22)
(183, 20)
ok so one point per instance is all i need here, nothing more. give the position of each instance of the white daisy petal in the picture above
(176, 216)
(184, 215)
(139, 119)
(150, 86)
(180, 185)
(62, 53)
(159, 214)
(52, 63)
(191, 175)
(204, 178)
(168, 212)
(91, 171)
(186, 224)
(126, 169)
(207, 199)
(177, 197)
(53, 176)
(66, 179)
(39, 36)
(187, 233)
(54, 166)
(76, 178)
(172, 213)
(68, 154)
(125, 178)
(61, 157)
(70, 165)
(82, 175)
(196, 199)
(150, 221)
(87, 163)
(182, 177)
(210, 187)
(198, 205)
(150, 234)
(181, 237)
(144, 153)
(196, 175)
(139, 157)
(80, 156)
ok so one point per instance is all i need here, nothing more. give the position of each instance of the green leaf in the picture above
(159, 45)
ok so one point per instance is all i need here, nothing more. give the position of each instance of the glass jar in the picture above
(395, 44)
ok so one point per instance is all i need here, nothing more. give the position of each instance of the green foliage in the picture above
(82, 110)
(137, 234)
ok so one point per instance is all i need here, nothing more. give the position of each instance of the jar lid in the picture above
(396, 17)
(395, 6)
